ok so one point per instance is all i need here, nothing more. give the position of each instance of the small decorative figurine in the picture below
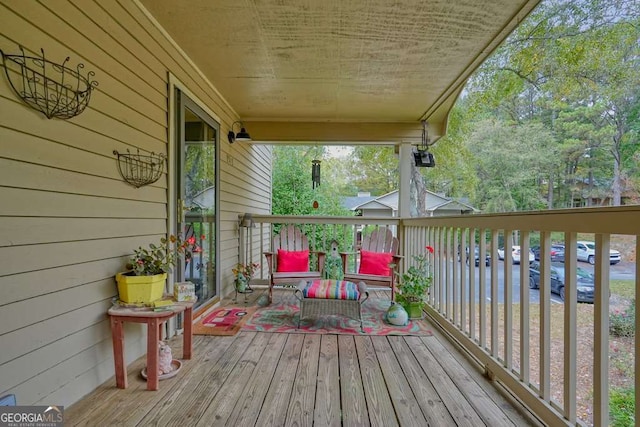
(164, 360)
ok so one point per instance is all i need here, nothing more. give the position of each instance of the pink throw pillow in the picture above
(376, 263)
(292, 261)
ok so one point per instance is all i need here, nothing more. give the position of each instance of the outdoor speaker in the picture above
(424, 159)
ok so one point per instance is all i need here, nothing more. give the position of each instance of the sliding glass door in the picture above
(197, 205)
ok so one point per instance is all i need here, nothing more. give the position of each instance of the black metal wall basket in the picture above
(140, 169)
(53, 89)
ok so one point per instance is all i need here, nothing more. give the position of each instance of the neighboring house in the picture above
(387, 205)
(600, 194)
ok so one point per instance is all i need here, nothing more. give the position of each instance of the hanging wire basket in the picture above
(140, 169)
(53, 89)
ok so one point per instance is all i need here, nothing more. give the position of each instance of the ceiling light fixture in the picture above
(421, 156)
(243, 135)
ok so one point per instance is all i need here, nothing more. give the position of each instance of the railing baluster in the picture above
(483, 290)
(454, 263)
(442, 266)
(545, 317)
(472, 283)
(570, 326)
(495, 327)
(449, 271)
(601, 333)
(508, 304)
(524, 313)
(463, 278)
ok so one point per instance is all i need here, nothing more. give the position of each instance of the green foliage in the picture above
(292, 191)
(159, 259)
(622, 407)
(622, 323)
(333, 268)
(414, 284)
(573, 67)
(509, 171)
(374, 169)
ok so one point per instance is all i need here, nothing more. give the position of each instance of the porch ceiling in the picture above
(372, 61)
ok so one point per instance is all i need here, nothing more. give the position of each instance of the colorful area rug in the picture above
(282, 316)
(223, 321)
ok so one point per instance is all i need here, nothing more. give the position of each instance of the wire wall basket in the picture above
(140, 169)
(53, 89)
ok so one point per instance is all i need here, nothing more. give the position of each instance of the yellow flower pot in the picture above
(140, 289)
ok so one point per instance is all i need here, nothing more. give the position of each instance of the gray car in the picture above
(585, 281)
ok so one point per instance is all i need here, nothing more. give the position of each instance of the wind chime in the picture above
(315, 178)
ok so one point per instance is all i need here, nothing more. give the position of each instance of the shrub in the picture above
(622, 407)
(622, 323)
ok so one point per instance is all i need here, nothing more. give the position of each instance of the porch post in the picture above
(404, 157)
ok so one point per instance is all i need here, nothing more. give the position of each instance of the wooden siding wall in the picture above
(67, 220)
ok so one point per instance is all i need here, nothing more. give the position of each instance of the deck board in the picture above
(380, 408)
(222, 405)
(354, 406)
(327, 408)
(433, 407)
(267, 379)
(301, 406)
(276, 402)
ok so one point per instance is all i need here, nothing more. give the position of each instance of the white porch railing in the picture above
(472, 307)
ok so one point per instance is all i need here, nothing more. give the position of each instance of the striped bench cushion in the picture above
(331, 289)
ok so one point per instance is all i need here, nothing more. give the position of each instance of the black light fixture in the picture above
(243, 135)
(421, 155)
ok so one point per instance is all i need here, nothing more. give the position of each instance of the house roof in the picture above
(434, 201)
(354, 203)
(307, 70)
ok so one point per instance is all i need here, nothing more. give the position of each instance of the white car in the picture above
(587, 253)
(515, 254)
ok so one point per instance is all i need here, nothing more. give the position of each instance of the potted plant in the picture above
(144, 282)
(414, 285)
(242, 275)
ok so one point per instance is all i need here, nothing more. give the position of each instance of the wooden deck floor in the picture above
(264, 379)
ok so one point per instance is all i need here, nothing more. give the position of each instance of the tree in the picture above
(292, 192)
(579, 56)
(510, 163)
(374, 169)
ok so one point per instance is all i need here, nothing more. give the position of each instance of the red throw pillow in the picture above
(376, 263)
(295, 261)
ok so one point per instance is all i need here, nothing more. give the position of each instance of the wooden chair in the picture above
(290, 239)
(380, 241)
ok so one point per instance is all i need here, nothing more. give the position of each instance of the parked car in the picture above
(487, 257)
(556, 252)
(515, 254)
(587, 253)
(585, 284)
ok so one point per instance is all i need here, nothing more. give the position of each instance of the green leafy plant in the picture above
(159, 259)
(622, 323)
(415, 283)
(244, 272)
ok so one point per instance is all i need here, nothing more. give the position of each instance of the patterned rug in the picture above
(223, 321)
(282, 316)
